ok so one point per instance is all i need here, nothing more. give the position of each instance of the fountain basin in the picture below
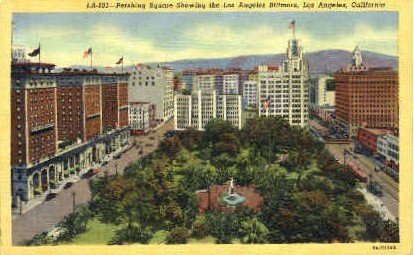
(232, 199)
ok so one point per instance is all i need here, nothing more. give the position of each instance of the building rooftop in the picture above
(377, 131)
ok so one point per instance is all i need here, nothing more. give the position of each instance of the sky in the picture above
(163, 37)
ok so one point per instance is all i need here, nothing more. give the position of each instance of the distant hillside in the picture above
(320, 62)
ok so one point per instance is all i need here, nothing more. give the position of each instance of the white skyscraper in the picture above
(153, 84)
(283, 90)
(199, 108)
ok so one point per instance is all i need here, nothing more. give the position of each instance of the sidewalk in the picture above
(29, 205)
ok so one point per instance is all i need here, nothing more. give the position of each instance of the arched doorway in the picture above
(44, 180)
(36, 184)
(52, 177)
(94, 154)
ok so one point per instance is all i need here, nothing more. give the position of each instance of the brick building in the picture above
(368, 138)
(33, 104)
(366, 97)
(57, 124)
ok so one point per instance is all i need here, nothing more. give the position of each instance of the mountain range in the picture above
(320, 62)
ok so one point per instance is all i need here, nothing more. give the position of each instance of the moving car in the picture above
(50, 196)
(68, 185)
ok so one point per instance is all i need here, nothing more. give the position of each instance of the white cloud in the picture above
(64, 47)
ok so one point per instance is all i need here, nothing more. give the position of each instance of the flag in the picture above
(87, 53)
(35, 52)
(121, 60)
(292, 24)
(266, 103)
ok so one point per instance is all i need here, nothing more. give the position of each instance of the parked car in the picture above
(104, 163)
(375, 188)
(50, 196)
(117, 156)
(68, 185)
(170, 133)
(149, 145)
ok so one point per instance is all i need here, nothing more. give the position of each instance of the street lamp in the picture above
(73, 201)
(116, 168)
(346, 152)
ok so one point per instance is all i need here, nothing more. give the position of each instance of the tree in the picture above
(178, 235)
(186, 92)
(298, 161)
(254, 231)
(132, 234)
(222, 137)
(200, 227)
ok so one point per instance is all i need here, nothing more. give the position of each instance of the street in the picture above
(49, 213)
(389, 186)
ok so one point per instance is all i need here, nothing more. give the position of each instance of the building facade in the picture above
(368, 138)
(322, 92)
(250, 94)
(204, 82)
(365, 97)
(153, 84)
(187, 77)
(283, 90)
(199, 108)
(48, 147)
(388, 149)
(231, 83)
(141, 117)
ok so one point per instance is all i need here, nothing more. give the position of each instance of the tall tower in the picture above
(283, 91)
(356, 58)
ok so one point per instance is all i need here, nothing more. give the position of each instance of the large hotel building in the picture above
(365, 97)
(63, 123)
(283, 90)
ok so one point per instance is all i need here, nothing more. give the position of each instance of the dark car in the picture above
(104, 163)
(87, 175)
(50, 196)
(170, 133)
(68, 185)
(149, 145)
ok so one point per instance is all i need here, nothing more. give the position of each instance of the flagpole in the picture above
(39, 54)
(91, 58)
(122, 64)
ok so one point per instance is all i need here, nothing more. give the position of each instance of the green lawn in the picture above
(96, 233)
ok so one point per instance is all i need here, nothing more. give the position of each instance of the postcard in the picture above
(206, 127)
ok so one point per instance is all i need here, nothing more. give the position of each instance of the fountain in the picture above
(232, 198)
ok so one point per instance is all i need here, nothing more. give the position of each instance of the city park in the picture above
(266, 183)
